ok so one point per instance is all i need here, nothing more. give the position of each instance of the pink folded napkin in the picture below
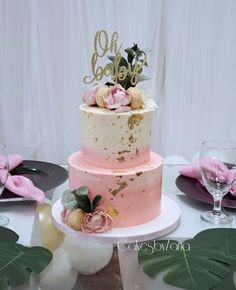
(213, 169)
(21, 185)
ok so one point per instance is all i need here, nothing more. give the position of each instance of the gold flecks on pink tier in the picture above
(143, 206)
(138, 173)
(122, 185)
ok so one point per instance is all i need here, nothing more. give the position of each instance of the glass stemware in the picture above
(218, 170)
(4, 171)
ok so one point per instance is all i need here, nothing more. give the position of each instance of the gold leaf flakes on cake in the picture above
(139, 173)
(133, 120)
(90, 115)
(132, 139)
(121, 185)
(121, 159)
(112, 211)
(124, 151)
(131, 179)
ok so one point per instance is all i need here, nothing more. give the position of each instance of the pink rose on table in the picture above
(117, 97)
(97, 222)
(90, 96)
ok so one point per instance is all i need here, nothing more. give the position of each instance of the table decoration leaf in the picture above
(7, 235)
(17, 262)
(226, 239)
(194, 264)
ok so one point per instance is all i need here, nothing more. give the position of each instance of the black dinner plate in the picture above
(44, 175)
(195, 190)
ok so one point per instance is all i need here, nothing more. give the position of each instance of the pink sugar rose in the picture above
(65, 214)
(97, 222)
(90, 96)
(123, 109)
(117, 97)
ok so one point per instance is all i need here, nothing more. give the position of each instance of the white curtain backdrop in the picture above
(45, 51)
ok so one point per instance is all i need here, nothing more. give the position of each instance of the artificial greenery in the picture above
(225, 239)
(207, 261)
(78, 198)
(134, 55)
(17, 262)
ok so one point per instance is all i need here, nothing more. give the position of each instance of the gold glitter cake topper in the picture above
(122, 71)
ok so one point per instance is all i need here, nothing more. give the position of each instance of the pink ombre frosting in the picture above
(134, 193)
(115, 140)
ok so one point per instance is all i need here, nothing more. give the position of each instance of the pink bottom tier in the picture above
(134, 193)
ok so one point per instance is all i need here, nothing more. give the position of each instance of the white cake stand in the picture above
(166, 222)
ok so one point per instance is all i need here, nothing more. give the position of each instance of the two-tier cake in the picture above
(115, 162)
(115, 180)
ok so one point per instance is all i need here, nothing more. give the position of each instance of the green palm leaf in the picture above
(8, 236)
(191, 265)
(226, 240)
(18, 262)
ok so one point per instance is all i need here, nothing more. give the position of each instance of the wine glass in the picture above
(218, 171)
(4, 171)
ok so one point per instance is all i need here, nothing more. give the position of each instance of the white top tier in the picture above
(115, 140)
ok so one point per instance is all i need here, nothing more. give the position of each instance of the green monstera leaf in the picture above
(18, 262)
(226, 240)
(8, 236)
(191, 265)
